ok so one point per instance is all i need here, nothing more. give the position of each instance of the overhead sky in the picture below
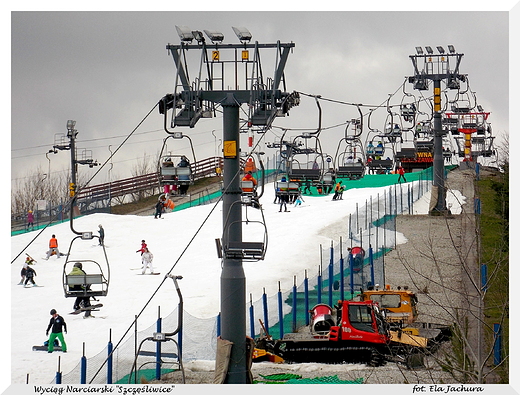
(107, 70)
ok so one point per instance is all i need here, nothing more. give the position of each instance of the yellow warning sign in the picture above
(215, 56)
(245, 55)
(230, 149)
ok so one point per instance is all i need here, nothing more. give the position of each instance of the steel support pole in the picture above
(438, 160)
(232, 279)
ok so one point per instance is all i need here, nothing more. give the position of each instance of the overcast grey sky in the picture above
(107, 70)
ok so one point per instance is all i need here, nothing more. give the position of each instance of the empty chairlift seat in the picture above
(352, 171)
(305, 174)
(247, 250)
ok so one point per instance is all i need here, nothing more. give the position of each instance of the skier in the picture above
(147, 259)
(81, 301)
(58, 324)
(30, 273)
(53, 247)
(143, 247)
(158, 208)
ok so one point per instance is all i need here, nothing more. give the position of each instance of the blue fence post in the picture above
(497, 348)
(484, 275)
(58, 373)
(294, 305)
(110, 359)
(266, 319)
(218, 325)
(251, 317)
(158, 348)
(476, 205)
(83, 369)
(331, 272)
(280, 309)
(306, 297)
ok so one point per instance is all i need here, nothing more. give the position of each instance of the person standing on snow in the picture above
(101, 235)
(30, 273)
(30, 220)
(400, 171)
(147, 259)
(337, 190)
(58, 324)
(159, 207)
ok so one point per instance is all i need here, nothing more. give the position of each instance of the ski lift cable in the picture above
(69, 203)
(215, 205)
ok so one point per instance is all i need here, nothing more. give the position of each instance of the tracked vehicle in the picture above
(402, 315)
(352, 332)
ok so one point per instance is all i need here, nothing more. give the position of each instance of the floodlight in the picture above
(419, 50)
(184, 33)
(451, 48)
(71, 124)
(242, 33)
(214, 36)
(440, 49)
(197, 35)
(429, 50)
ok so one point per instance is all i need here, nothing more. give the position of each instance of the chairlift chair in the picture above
(246, 250)
(92, 284)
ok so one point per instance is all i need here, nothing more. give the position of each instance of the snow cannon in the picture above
(321, 319)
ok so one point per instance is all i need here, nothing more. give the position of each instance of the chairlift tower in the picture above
(436, 68)
(86, 157)
(197, 98)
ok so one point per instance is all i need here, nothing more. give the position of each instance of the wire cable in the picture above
(68, 204)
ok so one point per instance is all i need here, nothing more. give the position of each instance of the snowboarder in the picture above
(337, 190)
(101, 235)
(159, 207)
(53, 247)
(58, 324)
(81, 301)
(30, 273)
(299, 199)
(147, 258)
(28, 261)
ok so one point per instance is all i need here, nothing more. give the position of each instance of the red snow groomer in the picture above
(358, 333)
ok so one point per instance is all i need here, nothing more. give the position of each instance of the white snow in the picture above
(293, 246)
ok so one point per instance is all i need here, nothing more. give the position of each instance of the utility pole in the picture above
(197, 99)
(71, 135)
(436, 68)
